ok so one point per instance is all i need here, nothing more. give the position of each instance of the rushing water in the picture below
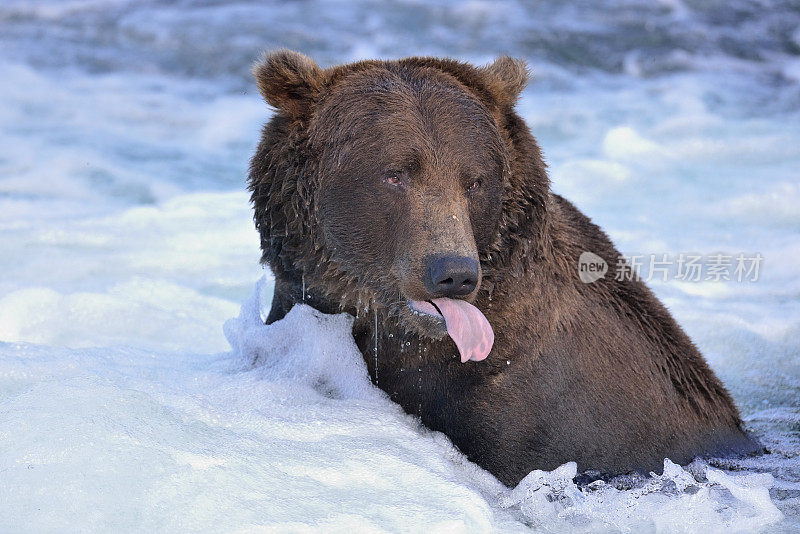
(125, 132)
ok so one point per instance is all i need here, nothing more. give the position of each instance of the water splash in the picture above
(706, 498)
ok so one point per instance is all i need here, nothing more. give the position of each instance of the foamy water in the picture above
(126, 129)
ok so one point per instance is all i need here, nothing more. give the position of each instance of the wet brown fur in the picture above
(597, 373)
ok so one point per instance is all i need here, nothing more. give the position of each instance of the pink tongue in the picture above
(468, 327)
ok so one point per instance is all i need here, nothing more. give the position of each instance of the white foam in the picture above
(578, 180)
(142, 313)
(625, 143)
(197, 442)
(329, 358)
(675, 501)
(287, 432)
(774, 204)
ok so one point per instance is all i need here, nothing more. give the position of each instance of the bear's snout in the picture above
(451, 276)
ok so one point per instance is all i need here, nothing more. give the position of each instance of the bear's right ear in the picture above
(288, 81)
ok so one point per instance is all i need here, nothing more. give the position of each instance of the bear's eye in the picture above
(474, 186)
(394, 178)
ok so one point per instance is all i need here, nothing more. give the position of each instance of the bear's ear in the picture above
(506, 78)
(288, 81)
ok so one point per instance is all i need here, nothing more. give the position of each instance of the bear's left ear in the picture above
(506, 77)
(288, 81)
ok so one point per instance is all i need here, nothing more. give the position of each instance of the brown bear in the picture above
(411, 195)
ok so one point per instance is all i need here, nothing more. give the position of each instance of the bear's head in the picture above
(397, 184)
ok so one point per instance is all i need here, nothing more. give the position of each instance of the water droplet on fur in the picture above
(419, 376)
(376, 346)
(419, 383)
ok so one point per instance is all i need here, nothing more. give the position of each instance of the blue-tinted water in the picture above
(125, 133)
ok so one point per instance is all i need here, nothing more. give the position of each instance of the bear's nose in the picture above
(451, 276)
